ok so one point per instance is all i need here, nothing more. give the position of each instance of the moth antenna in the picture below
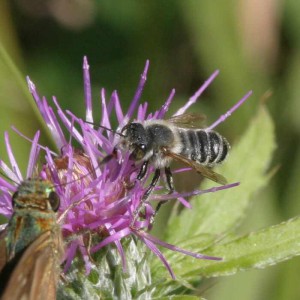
(5, 176)
(70, 207)
(72, 181)
(105, 160)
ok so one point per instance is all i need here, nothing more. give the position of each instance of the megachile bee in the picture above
(158, 142)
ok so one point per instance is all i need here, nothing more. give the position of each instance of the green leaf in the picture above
(256, 250)
(181, 297)
(218, 213)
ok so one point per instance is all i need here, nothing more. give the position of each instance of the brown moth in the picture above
(31, 244)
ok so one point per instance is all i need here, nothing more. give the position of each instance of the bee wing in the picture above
(206, 172)
(36, 273)
(188, 120)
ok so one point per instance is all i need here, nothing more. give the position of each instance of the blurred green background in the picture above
(255, 44)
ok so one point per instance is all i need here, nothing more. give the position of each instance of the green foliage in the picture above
(183, 297)
(257, 250)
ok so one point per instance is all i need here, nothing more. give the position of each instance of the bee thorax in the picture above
(160, 161)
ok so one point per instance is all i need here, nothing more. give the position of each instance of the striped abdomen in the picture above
(206, 147)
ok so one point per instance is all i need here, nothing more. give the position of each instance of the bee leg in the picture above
(107, 158)
(171, 188)
(140, 176)
(152, 185)
(146, 195)
(143, 170)
(170, 181)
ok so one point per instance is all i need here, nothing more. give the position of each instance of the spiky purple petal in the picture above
(198, 93)
(87, 91)
(222, 118)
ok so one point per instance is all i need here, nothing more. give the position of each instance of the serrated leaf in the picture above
(257, 250)
(218, 213)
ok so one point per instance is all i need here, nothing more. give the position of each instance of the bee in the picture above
(158, 142)
(31, 250)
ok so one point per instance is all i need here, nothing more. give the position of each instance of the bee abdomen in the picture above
(206, 147)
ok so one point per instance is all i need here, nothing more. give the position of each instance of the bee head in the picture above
(135, 140)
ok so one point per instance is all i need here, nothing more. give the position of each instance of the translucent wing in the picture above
(36, 272)
(188, 120)
(204, 171)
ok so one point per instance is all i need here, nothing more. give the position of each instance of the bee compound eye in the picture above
(140, 152)
(54, 201)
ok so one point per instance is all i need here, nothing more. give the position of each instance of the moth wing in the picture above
(188, 120)
(204, 171)
(3, 258)
(36, 274)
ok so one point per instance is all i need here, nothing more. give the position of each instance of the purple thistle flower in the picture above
(99, 200)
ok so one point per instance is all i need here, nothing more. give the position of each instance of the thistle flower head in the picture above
(99, 196)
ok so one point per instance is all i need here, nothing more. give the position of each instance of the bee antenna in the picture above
(106, 128)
